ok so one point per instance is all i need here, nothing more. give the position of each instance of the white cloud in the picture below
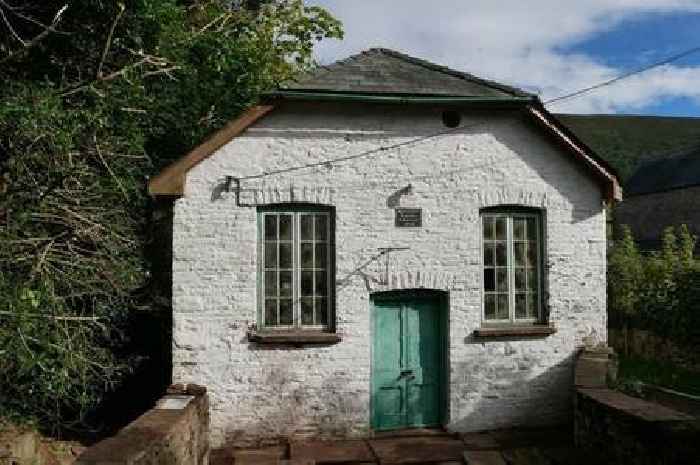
(517, 42)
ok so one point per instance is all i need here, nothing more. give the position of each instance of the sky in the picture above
(549, 47)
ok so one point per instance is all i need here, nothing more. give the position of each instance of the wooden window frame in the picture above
(510, 214)
(296, 212)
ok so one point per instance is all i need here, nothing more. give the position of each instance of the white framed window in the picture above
(512, 245)
(296, 268)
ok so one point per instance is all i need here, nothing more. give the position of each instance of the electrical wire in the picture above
(643, 69)
(387, 148)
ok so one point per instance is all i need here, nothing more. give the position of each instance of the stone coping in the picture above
(639, 408)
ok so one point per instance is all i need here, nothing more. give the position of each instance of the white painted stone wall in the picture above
(262, 393)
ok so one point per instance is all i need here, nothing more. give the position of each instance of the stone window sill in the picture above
(293, 337)
(514, 331)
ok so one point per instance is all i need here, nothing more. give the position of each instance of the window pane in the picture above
(489, 251)
(270, 227)
(518, 229)
(531, 254)
(321, 252)
(286, 283)
(307, 283)
(321, 311)
(501, 254)
(532, 279)
(285, 256)
(307, 255)
(502, 279)
(532, 305)
(307, 311)
(488, 227)
(270, 284)
(519, 252)
(271, 312)
(270, 255)
(321, 283)
(321, 227)
(520, 279)
(502, 313)
(489, 279)
(307, 227)
(286, 227)
(531, 229)
(490, 307)
(500, 229)
(286, 317)
(520, 306)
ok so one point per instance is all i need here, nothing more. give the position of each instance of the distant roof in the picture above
(384, 71)
(681, 169)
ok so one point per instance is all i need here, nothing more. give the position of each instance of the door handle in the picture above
(407, 373)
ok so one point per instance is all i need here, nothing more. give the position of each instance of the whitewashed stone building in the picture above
(385, 244)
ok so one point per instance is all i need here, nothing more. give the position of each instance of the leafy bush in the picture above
(659, 291)
(95, 96)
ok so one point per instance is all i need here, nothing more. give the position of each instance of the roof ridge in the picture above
(449, 71)
(322, 71)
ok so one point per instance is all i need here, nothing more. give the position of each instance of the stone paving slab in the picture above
(264, 456)
(323, 452)
(483, 457)
(417, 450)
(480, 441)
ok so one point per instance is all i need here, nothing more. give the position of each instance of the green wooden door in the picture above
(407, 360)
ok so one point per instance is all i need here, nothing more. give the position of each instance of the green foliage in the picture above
(659, 291)
(633, 370)
(94, 99)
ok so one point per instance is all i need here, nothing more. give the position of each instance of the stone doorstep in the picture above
(415, 450)
(331, 451)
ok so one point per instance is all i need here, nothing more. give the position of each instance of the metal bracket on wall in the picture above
(386, 251)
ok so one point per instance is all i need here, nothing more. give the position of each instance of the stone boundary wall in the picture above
(620, 429)
(174, 432)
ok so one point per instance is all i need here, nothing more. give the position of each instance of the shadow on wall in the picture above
(569, 190)
(498, 390)
(296, 410)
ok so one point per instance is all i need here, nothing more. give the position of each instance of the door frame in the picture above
(401, 295)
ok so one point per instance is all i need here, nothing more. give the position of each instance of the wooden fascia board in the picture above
(171, 181)
(610, 183)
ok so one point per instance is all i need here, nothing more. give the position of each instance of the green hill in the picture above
(624, 140)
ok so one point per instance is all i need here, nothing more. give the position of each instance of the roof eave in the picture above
(606, 175)
(170, 182)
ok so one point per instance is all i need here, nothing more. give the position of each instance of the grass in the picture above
(632, 370)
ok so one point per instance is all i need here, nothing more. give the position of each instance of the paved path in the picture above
(507, 447)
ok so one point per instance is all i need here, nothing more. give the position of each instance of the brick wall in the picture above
(260, 393)
(174, 432)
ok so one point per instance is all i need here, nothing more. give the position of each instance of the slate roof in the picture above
(674, 172)
(384, 71)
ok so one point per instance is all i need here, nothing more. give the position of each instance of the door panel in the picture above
(407, 361)
(423, 345)
(389, 393)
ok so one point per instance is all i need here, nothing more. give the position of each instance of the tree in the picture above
(96, 95)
